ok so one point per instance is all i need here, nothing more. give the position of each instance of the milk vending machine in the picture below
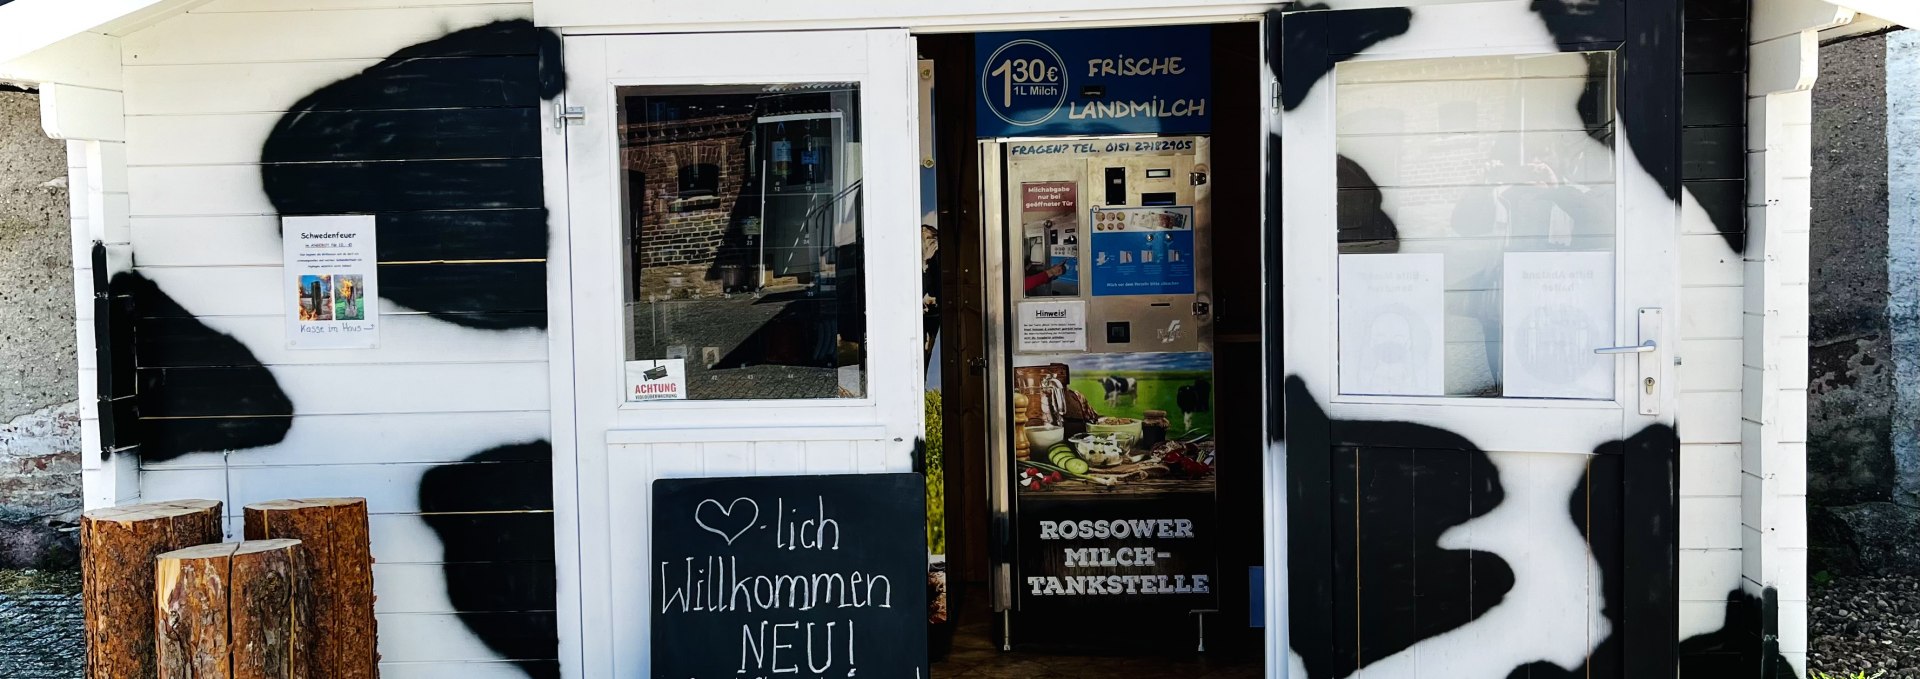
(1104, 492)
(1099, 269)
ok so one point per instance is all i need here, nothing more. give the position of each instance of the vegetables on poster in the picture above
(1125, 422)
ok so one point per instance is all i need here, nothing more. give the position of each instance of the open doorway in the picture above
(1128, 401)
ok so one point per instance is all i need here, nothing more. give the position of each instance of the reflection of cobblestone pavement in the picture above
(40, 636)
(769, 347)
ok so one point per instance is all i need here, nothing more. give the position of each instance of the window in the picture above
(1476, 217)
(699, 180)
(743, 229)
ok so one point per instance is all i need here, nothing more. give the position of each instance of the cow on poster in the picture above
(1558, 308)
(333, 280)
(1392, 327)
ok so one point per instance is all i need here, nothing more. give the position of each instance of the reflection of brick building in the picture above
(686, 178)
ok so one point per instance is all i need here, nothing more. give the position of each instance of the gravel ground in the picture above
(41, 626)
(40, 635)
(1862, 623)
(1854, 623)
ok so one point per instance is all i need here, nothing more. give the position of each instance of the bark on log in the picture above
(117, 548)
(233, 611)
(334, 532)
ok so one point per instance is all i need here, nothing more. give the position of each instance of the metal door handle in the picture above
(1640, 348)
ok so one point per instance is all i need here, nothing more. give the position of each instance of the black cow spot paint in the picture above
(441, 141)
(1307, 37)
(1598, 497)
(1739, 647)
(232, 400)
(1406, 484)
(1423, 480)
(490, 511)
(1649, 55)
(1593, 24)
(1587, 23)
(1364, 225)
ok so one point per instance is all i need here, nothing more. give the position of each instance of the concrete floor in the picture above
(976, 655)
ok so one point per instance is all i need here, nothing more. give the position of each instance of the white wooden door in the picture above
(685, 155)
(1478, 250)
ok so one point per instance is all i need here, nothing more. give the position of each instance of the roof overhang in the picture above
(1902, 12)
(28, 26)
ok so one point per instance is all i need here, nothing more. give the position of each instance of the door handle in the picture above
(1641, 348)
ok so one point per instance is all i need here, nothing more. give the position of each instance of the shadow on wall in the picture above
(1862, 516)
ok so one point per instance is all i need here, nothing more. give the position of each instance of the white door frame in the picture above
(607, 452)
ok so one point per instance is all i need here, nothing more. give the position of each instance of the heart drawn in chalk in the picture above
(727, 517)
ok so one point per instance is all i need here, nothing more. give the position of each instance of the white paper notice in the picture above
(1392, 325)
(333, 282)
(662, 380)
(1053, 326)
(1558, 308)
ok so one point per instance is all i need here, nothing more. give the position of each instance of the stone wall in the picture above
(1858, 520)
(39, 418)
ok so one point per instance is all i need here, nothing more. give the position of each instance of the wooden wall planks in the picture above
(443, 426)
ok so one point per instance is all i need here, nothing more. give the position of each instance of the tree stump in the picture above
(117, 547)
(234, 611)
(334, 532)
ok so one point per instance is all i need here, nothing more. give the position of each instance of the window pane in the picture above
(1476, 217)
(743, 230)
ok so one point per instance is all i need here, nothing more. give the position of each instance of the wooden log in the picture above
(233, 611)
(117, 548)
(334, 531)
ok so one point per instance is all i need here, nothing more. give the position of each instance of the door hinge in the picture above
(564, 114)
(1274, 102)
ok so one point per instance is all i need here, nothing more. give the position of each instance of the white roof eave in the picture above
(1902, 12)
(27, 26)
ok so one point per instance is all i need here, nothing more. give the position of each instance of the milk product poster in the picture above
(332, 281)
(1392, 325)
(1558, 307)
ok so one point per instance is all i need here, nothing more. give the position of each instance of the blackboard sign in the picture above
(790, 577)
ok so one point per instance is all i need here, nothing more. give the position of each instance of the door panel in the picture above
(733, 230)
(1470, 211)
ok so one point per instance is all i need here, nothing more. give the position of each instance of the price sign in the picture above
(1102, 81)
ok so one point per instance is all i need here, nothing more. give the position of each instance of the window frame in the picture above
(887, 110)
(1625, 321)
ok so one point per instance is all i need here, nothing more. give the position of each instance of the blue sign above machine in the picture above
(1094, 81)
